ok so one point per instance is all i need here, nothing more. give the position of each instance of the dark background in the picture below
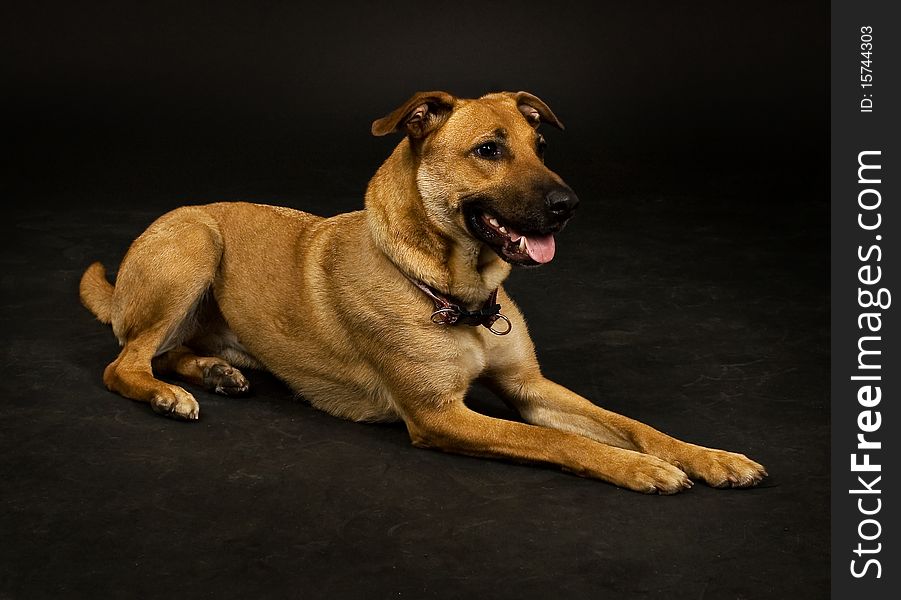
(690, 292)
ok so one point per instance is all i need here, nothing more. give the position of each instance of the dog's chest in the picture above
(471, 355)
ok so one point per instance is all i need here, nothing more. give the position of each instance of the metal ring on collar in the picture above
(503, 331)
(445, 316)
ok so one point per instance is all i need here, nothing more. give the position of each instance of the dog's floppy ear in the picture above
(418, 116)
(535, 110)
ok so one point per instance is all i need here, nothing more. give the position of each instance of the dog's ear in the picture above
(418, 116)
(535, 110)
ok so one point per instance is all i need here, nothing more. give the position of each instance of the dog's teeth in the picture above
(494, 222)
(522, 244)
(502, 229)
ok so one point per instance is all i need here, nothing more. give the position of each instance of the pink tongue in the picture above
(541, 248)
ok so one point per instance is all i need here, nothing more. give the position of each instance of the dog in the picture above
(391, 312)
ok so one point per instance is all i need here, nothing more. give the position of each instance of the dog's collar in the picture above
(451, 313)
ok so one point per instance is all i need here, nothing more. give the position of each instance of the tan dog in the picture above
(339, 308)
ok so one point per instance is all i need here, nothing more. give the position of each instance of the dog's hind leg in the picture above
(159, 287)
(131, 376)
(209, 372)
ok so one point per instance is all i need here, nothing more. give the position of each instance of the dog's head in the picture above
(481, 170)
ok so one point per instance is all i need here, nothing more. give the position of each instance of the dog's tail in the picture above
(96, 292)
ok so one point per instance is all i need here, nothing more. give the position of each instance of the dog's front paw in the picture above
(722, 469)
(650, 475)
(173, 401)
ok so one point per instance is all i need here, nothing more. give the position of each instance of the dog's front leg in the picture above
(453, 427)
(543, 402)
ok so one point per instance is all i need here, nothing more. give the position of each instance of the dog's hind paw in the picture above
(177, 403)
(224, 379)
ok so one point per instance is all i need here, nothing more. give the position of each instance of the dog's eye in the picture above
(540, 145)
(488, 150)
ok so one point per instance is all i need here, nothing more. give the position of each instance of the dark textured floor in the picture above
(694, 301)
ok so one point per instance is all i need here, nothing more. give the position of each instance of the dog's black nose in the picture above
(561, 202)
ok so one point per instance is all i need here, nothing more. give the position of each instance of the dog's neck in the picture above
(402, 229)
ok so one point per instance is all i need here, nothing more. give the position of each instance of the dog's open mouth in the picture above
(522, 248)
